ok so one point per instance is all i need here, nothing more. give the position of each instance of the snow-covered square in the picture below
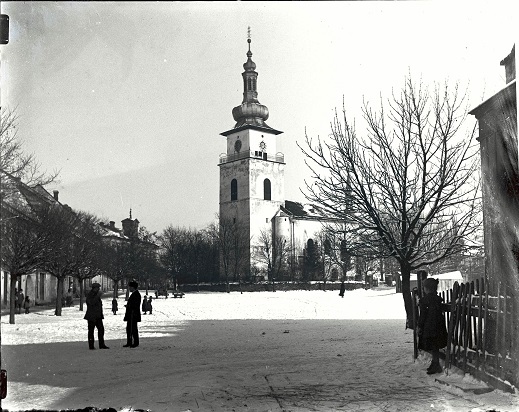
(259, 351)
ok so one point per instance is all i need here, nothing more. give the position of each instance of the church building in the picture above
(252, 184)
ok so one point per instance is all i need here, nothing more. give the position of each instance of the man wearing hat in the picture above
(132, 316)
(94, 316)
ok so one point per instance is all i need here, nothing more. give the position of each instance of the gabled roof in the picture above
(16, 195)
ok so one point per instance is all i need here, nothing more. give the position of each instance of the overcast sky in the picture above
(128, 100)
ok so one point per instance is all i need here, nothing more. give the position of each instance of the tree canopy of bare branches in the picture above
(272, 252)
(409, 183)
(14, 159)
(232, 241)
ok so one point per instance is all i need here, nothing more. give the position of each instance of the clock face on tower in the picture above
(263, 146)
(237, 145)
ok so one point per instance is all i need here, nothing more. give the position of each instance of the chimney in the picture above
(112, 224)
(56, 193)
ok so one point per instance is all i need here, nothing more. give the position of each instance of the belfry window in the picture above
(234, 189)
(254, 84)
(266, 190)
(250, 84)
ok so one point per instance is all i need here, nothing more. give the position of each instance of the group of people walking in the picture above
(22, 302)
(132, 315)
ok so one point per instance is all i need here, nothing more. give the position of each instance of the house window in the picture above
(266, 189)
(327, 247)
(234, 189)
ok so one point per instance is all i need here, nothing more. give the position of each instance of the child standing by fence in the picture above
(431, 325)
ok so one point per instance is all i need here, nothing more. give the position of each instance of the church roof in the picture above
(307, 210)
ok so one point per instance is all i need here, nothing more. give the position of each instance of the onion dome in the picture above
(250, 112)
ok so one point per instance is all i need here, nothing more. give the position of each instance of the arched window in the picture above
(234, 189)
(266, 190)
(327, 247)
(254, 84)
(250, 84)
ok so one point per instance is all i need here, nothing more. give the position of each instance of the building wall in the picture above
(42, 287)
(497, 119)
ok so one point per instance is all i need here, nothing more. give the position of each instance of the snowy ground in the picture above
(261, 351)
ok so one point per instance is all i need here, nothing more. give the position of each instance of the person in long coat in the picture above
(132, 316)
(343, 288)
(150, 307)
(114, 306)
(145, 304)
(94, 316)
(432, 331)
(19, 300)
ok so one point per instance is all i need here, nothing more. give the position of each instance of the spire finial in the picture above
(130, 213)
(248, 36)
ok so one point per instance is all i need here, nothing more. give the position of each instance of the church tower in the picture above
(252, 170)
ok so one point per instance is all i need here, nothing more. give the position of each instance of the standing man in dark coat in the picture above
(132, 316)
(94, 316)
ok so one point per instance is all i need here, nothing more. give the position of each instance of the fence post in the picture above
(504, 345)
(452, 317)
(497, 345)
(467, 320)
(485, 324)
(473, 329)
(460, 320)
(480, 325)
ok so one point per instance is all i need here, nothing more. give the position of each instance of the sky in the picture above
(128, 99)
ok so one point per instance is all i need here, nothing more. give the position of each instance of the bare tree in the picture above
(272, 252)
(13, 158)
(174, 242)
(70, 247)
(85, 249)
(113, 261)
(231, 239)
(23, 246)
(409, 184)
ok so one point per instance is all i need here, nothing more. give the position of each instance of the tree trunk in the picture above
(116, 287)
(406, 294)
(81, 293)
(59, 297)
(12, 300)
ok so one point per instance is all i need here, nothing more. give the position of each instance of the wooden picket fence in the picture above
(481, 319)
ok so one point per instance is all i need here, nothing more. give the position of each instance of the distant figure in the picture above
(132, 316)
(114, 306)
(94, 316)
(150, 308)
(27, 304)
(145, 304)
(19, 301)
(68, 298)
(156, 294)
(343, 288)
(431, 329)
